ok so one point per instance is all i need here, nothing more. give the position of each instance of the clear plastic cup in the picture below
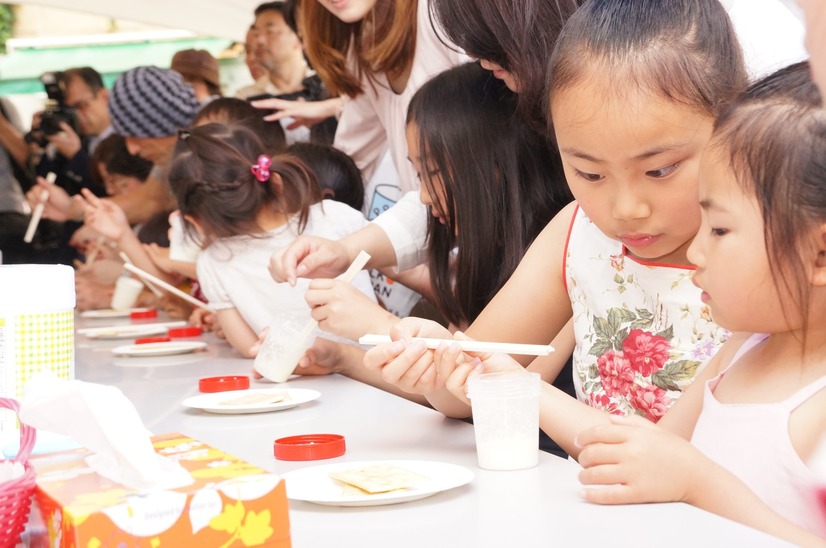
(127, 291)
(506, 419)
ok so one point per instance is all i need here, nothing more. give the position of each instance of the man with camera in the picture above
(66, 135)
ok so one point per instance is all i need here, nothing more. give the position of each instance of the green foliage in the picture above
(6, 25)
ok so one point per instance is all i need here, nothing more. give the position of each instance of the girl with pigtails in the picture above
(244, 205)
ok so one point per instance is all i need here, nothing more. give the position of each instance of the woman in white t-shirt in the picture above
(244, 204)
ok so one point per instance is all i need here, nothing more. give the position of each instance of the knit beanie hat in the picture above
(151, 102)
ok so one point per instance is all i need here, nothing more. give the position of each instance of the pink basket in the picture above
(16, 495)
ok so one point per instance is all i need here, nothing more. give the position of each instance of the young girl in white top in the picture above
(757, 415)
(245, 204)
(634, 89)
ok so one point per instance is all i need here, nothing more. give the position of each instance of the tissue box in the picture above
(230, 503)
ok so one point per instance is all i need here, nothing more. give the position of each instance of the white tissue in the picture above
(104, 421)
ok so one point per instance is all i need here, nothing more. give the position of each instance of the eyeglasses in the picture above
(83, 104)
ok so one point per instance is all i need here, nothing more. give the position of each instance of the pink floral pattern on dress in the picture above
(651, 401)
(616, 373)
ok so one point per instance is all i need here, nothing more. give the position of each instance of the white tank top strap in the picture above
(799, 397)
(750, 343)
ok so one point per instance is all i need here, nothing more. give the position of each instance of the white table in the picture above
(537, 507)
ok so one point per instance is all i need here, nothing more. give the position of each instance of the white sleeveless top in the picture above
(752, 442)
(642, 332)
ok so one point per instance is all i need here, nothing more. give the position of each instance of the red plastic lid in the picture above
(309, 447)
(181, 332)
(143, 314)
(222, 384)
(147, 340)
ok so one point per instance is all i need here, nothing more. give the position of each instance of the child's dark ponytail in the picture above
(221, 176)
(298, 187)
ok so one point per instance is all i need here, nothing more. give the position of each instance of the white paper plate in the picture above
(217, 402)
(111, 313)
(314, 484)
(128, 332)
(167, 348)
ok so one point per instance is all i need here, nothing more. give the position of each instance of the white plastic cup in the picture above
(181, 245)
(286, 342)
(127, 291)
(506, 419)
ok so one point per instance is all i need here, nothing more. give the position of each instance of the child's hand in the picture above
(203, 318)
(405, 363)
(322, 358)
(105, 217)
(343, 310)
(309, 257)
(637, 461)
(455, 367)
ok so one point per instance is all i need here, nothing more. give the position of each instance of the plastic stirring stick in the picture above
(146, 276)
(38, 209)
(470, 346)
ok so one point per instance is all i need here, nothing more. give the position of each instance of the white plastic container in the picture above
(506, 419)
(286, 342)
(127, 291)
(37, 328)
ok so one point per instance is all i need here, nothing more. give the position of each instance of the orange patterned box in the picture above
(229, 504)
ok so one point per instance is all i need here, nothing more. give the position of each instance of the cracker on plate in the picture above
(378, 478)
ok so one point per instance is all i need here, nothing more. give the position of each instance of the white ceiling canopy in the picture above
(219, 18)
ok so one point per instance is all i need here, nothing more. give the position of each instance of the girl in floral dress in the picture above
(634, 88)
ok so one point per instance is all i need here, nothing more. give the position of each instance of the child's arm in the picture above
(634, 461)
(549, 366)
(237, 332)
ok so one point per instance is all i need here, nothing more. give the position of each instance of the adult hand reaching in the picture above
(303, 113)
(309, 257)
